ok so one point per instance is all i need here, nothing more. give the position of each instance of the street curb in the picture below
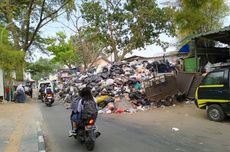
(41, 141)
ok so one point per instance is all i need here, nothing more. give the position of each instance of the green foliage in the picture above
(126, 25)
(63, 50)
(25, 18)
(199, 16)
(10, 59)
(41, 68)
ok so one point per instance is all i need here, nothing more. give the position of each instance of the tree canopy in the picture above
(126, 25)
(63, 50)
(88, 46)
(10, 59)
(41, 68)
(193, 17)
(25, 18)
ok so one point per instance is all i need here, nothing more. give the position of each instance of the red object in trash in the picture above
(120, 110)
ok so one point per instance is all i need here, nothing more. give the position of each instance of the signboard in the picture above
(1, 83)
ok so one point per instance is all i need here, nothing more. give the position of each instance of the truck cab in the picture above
(213, 94)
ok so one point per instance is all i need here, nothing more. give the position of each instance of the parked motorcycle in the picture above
(49, 100)
(86, 133)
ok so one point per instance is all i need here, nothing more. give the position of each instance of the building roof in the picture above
(222, 35)
(132, 58)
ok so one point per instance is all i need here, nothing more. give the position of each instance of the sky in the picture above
(52, 28)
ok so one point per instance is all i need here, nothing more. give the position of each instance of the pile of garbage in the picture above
(118, 87)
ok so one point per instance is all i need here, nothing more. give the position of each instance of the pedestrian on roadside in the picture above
(179, 66)
(20, 94)
(7, 90)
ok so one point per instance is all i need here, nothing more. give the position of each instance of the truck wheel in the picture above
(215, 113)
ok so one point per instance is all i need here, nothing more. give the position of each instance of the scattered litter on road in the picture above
(175, 129)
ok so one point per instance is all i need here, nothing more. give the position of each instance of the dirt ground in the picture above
(17, 120)
(185, 120)
(183, 116)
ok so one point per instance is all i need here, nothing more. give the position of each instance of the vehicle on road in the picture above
(28, 88)
(213, 94)
(49, 99)
(86, 133)
(41, 88)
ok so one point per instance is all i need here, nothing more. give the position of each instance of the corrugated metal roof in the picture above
(222, 35)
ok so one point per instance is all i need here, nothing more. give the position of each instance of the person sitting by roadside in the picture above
(20, 94)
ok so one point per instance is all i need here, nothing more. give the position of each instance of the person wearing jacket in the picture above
(82, 107)
(20, 94)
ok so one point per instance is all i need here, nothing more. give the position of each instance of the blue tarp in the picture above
(184, 49)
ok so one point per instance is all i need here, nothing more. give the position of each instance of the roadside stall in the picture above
(205, 51)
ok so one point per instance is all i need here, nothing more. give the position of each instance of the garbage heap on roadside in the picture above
(118, 87)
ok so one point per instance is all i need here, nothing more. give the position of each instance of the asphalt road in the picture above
(118, 136)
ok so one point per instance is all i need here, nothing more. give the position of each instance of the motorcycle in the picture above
(49, 100)
(86, 133)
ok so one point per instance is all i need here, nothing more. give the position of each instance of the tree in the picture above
(193, 17)
(88, 46)
(25, 18)
(10, 59)
(41, 68)
(87, 43)
(63, 50)
(126, 25)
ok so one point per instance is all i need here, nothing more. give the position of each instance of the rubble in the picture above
(118, 87)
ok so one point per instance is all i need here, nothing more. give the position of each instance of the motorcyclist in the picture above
(82, 107)
(47, 91)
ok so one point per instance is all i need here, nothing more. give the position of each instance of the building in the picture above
(210, 47)
(102, 61)
(64, 74)
(171, 57)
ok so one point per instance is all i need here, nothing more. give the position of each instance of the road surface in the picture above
(119, 135)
